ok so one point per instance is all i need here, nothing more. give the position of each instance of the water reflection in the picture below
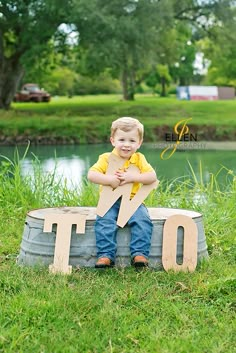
(73, 162)
(71, 171)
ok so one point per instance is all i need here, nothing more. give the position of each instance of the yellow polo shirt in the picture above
(137, 159)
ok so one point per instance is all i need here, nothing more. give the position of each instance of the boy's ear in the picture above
(140, 142)
(112, 140)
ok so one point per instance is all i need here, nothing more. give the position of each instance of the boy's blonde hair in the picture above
(127, 124)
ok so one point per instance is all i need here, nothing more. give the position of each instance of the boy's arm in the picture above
(136, 177)
(103, 179)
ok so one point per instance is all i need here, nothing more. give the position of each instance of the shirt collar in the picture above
(132, 159)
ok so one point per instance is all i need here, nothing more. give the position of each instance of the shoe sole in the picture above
(140, 264)
(105, 266)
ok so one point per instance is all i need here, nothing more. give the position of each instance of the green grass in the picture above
(88, 118)
(119, 310)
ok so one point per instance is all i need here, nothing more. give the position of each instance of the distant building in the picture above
(209, 93)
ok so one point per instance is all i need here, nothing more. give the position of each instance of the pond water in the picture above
(73, 162)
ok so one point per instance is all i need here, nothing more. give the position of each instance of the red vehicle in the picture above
(30, 92)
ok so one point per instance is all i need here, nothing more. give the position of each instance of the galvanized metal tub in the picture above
(37, 247)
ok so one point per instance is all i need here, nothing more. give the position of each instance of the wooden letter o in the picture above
(169, 248)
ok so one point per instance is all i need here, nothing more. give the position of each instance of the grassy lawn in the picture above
(119, 310)
(88, 118)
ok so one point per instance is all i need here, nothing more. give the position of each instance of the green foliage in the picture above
(61, 82)
(158, 79)
(127, 35)
(30, 26)
(100, 84)
(163, 72)
(64, 39)
(26, 32)
(219, 48)
(183, 69)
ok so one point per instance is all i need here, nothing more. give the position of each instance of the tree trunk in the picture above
(124, 83)
(11, 72)
(128, 85)
(163, 87)
(182, 81)
(131, 91)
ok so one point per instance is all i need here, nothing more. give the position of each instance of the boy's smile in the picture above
(126, 143)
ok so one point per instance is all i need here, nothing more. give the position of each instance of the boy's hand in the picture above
(127, 176)
(103, 179)
(114, 181)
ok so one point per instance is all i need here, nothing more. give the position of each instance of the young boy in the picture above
(126, 138)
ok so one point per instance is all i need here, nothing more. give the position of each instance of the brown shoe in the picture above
(104, 262)
(140, 261)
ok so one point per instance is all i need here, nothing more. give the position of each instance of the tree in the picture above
(213, 30)
(182, 70)
(26, 30)
(220, 51)
(160, 73)
(122, 35)
(62, 81)
(164, 77)
(128, 37)
(132, 36)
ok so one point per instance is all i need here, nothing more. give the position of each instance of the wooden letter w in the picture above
(109, 196)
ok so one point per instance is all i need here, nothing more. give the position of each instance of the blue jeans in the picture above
(140, 228)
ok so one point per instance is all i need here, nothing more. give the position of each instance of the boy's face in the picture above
(126, 143)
